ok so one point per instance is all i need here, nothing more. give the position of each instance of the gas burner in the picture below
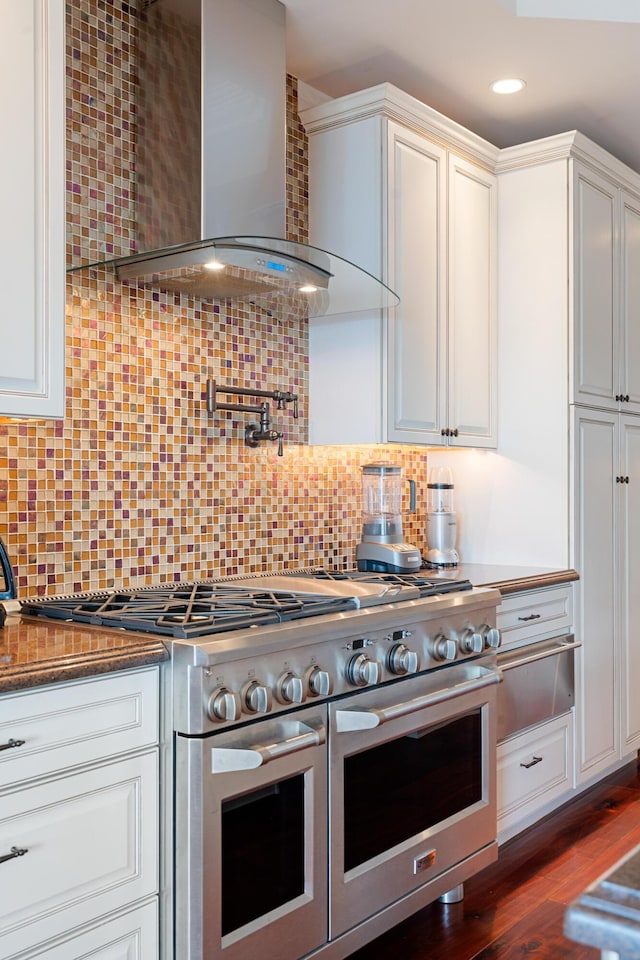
(186, 611)
(426, 585)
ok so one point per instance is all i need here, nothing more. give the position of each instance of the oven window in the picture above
(263, 851)
(394, 791)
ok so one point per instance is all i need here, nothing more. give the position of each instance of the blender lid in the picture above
(440, 486)
(380, 469)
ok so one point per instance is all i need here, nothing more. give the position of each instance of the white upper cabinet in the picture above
(471, 329)
(630, 302)
(32, 241)
(595, 288)
(606, 291)
(410, 197)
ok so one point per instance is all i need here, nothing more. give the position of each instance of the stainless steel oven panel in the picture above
(412, 709)
(538, 683)
(227, 768)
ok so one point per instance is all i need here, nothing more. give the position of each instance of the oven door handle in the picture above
(350, 720)
(510, 659)
(234, 759)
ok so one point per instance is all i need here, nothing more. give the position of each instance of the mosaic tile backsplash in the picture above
(137, 484)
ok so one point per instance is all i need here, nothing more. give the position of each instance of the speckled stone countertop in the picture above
(34, 653)
(607, 915)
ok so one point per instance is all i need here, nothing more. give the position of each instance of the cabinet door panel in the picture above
(630, 346)
(132, 936)
(595, 290)
(629, 494)
(595, 498)
(472, 304)
(32, 322)
(91, 842)
(417, 174)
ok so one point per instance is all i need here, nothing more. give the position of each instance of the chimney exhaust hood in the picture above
(211, 167)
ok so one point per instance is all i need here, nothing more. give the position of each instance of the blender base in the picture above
(387, 557)
(376, 566)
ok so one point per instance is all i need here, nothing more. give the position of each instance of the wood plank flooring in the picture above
(514, 909)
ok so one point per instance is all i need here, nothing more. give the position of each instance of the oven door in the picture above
(250, 844)
(412, 786)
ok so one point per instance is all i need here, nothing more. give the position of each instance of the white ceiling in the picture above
(580, 74)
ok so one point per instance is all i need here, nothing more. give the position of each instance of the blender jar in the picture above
(382, 502)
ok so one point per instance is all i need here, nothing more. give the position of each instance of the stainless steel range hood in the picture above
(211, 166)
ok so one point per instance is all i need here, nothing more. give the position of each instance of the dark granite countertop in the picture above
(607, 915)
(35, 652)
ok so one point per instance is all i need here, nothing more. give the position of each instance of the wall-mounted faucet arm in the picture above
(254, 433)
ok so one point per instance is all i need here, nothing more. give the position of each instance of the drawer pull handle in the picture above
(12, 743)
(531, 763)
(15, 852)
(532, 616)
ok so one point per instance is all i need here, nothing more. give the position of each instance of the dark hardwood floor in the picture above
(514, 909)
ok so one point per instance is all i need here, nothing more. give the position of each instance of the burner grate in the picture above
(427, 586)
(186, 611)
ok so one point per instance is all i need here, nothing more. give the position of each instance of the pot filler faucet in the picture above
(254, 433)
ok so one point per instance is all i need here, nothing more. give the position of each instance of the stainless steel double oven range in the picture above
(334, 741)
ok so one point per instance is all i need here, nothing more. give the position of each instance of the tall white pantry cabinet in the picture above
(569, 322)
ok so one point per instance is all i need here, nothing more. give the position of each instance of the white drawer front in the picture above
(132, 936)
(91, 842)
(535, 615)
(77, 722)
(535, 765)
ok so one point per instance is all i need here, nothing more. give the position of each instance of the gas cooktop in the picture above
(189, 610)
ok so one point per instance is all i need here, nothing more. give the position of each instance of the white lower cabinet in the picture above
(132, 936)
(607, 499)
(535, 771)
(79, 834)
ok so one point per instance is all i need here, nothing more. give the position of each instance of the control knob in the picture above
(255, 697)
(402, 660)
(361, 670)
(490, 636)
(444, 648)
(223, 704)
(318, 682)
(471, 641)
(289, 688)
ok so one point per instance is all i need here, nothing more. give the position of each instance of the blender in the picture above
(441, 520)
(382, 548)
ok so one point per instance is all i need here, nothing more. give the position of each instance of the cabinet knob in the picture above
(13, 853)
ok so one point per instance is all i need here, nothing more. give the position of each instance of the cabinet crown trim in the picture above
(389, 101)
(565, 146)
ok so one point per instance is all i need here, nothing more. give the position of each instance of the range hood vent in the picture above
(211, 165)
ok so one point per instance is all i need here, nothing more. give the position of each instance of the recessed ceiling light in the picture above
(508, 85)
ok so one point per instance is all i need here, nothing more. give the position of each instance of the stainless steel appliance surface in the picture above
(538, 683)
(333, 746)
